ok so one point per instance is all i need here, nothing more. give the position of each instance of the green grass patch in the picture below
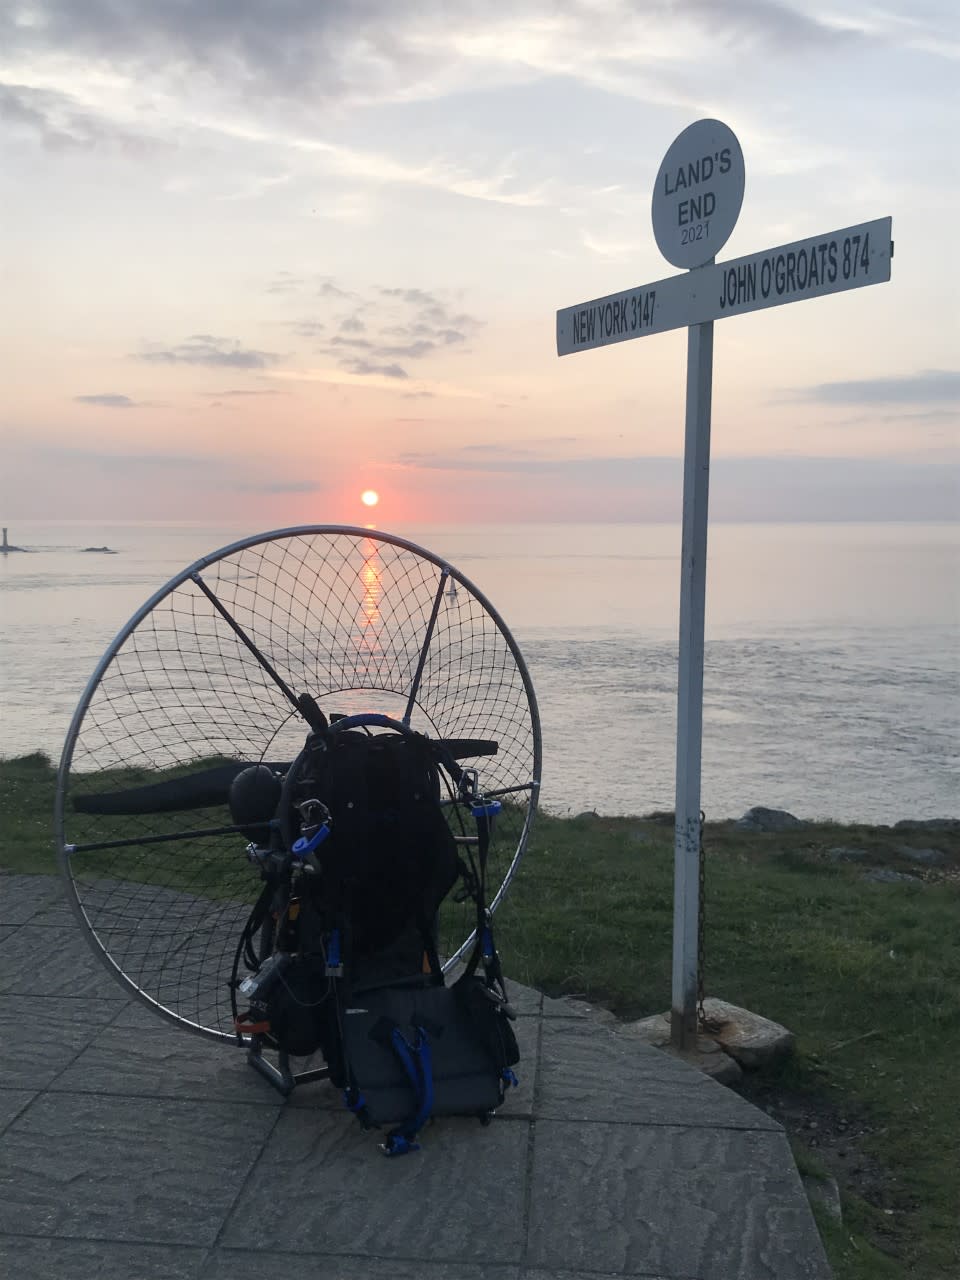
(27, 788)
(866, 975)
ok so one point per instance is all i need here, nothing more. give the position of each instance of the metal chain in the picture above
(701, 1015)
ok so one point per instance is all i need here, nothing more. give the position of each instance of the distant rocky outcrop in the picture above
(103, 551)
(886, 875)
(760, 819)
(928, 824)
(924, 857)
(840, 853)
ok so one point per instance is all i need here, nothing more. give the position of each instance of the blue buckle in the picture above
(302, 847)
(397, 1144)
(489, 809)
(509, 1078)
(334, 965)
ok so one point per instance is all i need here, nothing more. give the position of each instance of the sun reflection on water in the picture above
(371, 579)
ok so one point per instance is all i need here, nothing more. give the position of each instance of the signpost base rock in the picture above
(706, 1056)
(736, 1038)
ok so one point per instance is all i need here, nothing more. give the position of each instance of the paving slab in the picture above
(160, 1063)
(50, 1034)
(229, 1264)
(23, 896)
(129, 1147)
(40, 961)
(26, 1258)
(55, 912)
(536, 1274)
(127, 1169)
(50, 962)
(570, 1007)
(329, 1190)
(677, 1201)
(12, 1102)
(590, 1072)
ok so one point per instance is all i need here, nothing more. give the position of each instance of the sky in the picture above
(256, 258)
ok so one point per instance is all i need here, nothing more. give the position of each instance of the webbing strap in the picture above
(426, 1071)
(417, 1062)
(484, 949)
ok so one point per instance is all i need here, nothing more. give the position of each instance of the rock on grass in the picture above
(760, 819)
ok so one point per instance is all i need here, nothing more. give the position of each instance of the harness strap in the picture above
(430, 951)
(484, 949)
(246, 952)
(417, 1062)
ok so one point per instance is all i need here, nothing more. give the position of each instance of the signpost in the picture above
(698, 194)
(831, 263)
(696, 203)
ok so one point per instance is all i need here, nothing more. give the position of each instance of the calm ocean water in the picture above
(832, 682)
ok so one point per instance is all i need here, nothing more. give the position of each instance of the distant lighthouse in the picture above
(6, 547)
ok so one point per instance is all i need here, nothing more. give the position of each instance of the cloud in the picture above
(404, 351)
(256, 186)
(874, 418)
(281, 78)
(767, 24)
(130, 463)
(368, 380)
(315, 52)
(285, 282)
(932, 386)
(519, 461)
(279, 486)
(217, 353)
(164, 472)
(362, 366)
(415, 297)
(281, 81)
(236, 393)
(787, 488)
(307, 328)
(358, 344)
(62, 123)
(111, 400)
(388, 325)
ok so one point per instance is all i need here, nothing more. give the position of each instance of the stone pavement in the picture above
(132, 1149)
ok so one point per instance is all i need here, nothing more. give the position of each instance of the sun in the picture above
(369, 497)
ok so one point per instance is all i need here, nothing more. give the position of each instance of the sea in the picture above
(832, 661)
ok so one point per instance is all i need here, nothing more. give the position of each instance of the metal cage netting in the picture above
(361, 621)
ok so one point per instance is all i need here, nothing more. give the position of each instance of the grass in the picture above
(866, 975)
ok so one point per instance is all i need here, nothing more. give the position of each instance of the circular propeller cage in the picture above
(204, 676)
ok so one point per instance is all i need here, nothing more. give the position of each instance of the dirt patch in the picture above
(836, 1135)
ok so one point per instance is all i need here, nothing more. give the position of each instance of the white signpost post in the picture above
(696, 203)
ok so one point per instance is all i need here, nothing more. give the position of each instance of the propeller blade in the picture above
(462, 748)
(192, 791)
(212, 786)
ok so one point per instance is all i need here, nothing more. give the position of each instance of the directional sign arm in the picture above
(850, 258)
(832, 263)
(650, 308)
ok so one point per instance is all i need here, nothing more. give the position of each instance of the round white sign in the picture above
(698, 193)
